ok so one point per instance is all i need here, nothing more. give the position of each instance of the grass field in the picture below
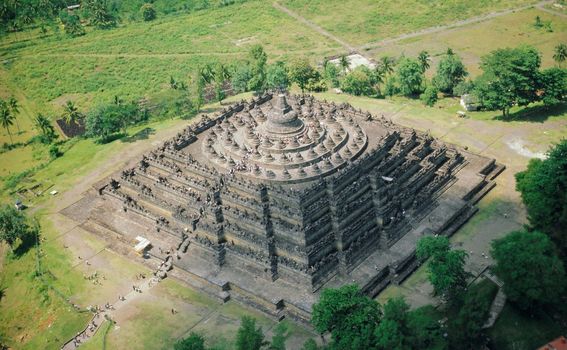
(138, 59)
(473, 41)
(364, 21)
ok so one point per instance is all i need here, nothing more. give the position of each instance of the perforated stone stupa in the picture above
(275, 198)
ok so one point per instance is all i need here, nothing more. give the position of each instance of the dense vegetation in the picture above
(543, 186)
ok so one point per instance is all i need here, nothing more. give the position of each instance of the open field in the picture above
(364, 21)
(473, 41)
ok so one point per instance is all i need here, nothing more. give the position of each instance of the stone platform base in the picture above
(104, 216)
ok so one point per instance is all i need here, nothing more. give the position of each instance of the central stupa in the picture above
(281, 143)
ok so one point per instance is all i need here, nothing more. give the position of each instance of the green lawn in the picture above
(364, 21)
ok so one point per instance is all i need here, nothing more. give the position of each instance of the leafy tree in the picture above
(248, 336)
(358, 82)
(13, 225)
(104, 120)
(331, 73)
(509, 78)
(43, 125)
(390, 87)
(392, 331)
(71, 113)
(466, 329)
(277, 77)
(6, 118)
(301, 72)
(543, 187)
(529, 267)
(560, 54)
(148, 12)
(553, 85)
(445, 267)
(409, 76)
(280, 337)
(450, 72)
(241, 75)
(258, 59)
(424, 59)
(310, 344)
(424, 331)
(71, 23)
(429, 96)
(99, 14)
(193, 342)
(349, 316)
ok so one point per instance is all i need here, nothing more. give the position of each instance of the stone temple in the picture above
(271, 200)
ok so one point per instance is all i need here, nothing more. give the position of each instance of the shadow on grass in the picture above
(143, 134)
(535, 114)
(26, 243)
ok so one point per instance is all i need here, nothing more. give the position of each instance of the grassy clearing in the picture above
(363, 21)
(32, 315)
(473, 41)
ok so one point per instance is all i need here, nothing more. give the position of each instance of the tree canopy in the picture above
(359, 82)
(303, 73)
(450, 72)
(409, 76)
(13, 225)
(445, 267)
(258, 59)
(249, 337)
(543, 187)
(348, 315)
(277, 77)
(528, 265)
(193, 342)
(510, 77)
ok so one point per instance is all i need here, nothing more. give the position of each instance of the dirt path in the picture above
(108, 313)
(541, 6)
(315, 27)
(441, 28)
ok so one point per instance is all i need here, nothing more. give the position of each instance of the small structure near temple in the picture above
(273, 199)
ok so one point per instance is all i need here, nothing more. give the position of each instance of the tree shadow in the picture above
(534, 114)
(26, 243)
(143, 134)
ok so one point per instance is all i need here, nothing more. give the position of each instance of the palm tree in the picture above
(387, 64)
(560, 54)
(207, 74)
(424, 59)
(43, 124)
(344, 63)
(72, 114)
(6, 118)
(15, 109)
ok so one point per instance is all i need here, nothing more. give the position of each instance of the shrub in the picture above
(148, 12)
(429, 96)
